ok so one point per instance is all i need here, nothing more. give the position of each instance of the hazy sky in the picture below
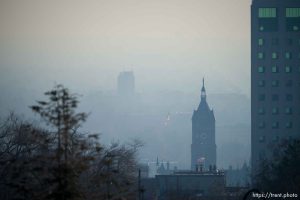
(170, 44)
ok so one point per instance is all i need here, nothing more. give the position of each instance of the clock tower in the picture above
(203, 148)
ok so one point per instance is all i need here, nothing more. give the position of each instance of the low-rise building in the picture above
(191, 185)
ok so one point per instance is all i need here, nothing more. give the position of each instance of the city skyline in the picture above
(43, 41)
(149, 99)
(169, 47)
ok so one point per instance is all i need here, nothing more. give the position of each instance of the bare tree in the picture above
(113, 175)
(282, 174)
(22, 150)
(59, 111)
(63, 163)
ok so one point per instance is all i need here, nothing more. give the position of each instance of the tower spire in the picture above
(203, 92)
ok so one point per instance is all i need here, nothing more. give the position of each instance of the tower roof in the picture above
(203, 106)
(203, 87)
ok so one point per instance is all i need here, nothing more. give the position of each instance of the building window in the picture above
(274, 69)
(261, 111)
(288, 110)
(261, 42)
(275, 111)
(289, 41)
(261, 28)
(274, 55)
(292, 12)
(288, 69)
(275, 139)
(292, 19)
(261, 125)
(275, 125)
(289, 125)
(260, 55)
(275, 97)
(261, 97)
(275, 83)
(289, 97)
(288, 55)
(261, 69)
(275, 41)
(289, 83)
(267, 12)
(261, 83)
(262, 139)
(262, 155)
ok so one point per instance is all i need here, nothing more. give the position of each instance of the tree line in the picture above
(58, 161)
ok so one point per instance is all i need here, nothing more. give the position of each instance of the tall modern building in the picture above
(203, 148)
(275, 76)
(126, 84)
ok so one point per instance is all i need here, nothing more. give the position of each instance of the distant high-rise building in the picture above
(203, 148)
(126, 83)
(275, 76)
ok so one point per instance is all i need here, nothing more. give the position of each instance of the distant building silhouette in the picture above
(203, 148)
(162, 170)
(275, 76)
(239, 177)
(186, 184)
(126, 84)
(191, 185)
